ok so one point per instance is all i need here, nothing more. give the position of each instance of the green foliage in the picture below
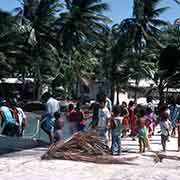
(59, 44)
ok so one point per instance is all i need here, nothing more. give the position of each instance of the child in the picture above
(79, 117)
(116, 126)
(142, 131)
(165, 126)
(150, 121)
(58, 126)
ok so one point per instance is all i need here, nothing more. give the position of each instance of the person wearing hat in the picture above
(8, 123)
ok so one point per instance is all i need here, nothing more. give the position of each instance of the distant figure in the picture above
(174, 113)
(142, 131)
(165, 127)
(79, 117)
(150, 103)
(125, 122)
(132, 118)
(71, 117)
(116, 128)
(47, 120)
(150, 121)
(8, 123)
(58, 126)
(19, 115)
(95, 107)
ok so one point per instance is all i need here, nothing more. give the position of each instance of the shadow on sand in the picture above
(13, 144)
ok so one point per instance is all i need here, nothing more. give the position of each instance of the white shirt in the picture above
(109, 104)
(21, 115)
(103, 116)
(52, 106)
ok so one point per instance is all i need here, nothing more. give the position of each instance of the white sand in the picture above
(27, 165)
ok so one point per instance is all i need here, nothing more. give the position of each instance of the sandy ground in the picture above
(28, 165)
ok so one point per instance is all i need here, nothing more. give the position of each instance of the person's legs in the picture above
(116, 144)
(51, 136)
(48, 127)
(163, 142)
(147, 143)
(178, 138)
(144, 145)
(102, 134)
(119, 144)
(140, 145)
(113, 143)
(173, 133)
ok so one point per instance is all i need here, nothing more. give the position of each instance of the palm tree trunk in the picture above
(135, 91)
(113, 90)
(161, 93)
(117, 90)
(37, 84)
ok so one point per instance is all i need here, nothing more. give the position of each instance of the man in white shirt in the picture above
(47, 123)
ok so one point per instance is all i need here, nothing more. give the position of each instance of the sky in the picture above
(119, 9)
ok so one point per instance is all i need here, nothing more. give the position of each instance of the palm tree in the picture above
(144, 25)
(36, 18)
(83, 21)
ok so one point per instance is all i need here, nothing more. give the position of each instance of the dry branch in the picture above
(85, 147)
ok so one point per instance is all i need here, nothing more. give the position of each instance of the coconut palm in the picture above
(36, 19)
(143, 27)
(83, 21)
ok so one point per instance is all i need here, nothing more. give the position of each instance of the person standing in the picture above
(116, 127)
(47, 120)
(150, 121)
(95, 108)
(80, 117)
(104, 116)
(58, 126)
(165, 126)
(174, 113)
(142, 131)
(132, 118)
(72, 119)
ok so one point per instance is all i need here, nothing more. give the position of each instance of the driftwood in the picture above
(85, 146)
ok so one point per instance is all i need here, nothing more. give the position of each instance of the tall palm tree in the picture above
(83, 21)
(145, 23)
(36, 18)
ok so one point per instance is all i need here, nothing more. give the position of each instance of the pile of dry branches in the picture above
(84, 146)
(84, 143)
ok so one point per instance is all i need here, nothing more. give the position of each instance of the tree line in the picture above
(59, 42)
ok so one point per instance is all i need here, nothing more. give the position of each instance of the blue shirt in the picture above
(7, 116)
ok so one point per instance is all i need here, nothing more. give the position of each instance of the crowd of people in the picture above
(136, 121)
(13, 119)
(112, 123)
